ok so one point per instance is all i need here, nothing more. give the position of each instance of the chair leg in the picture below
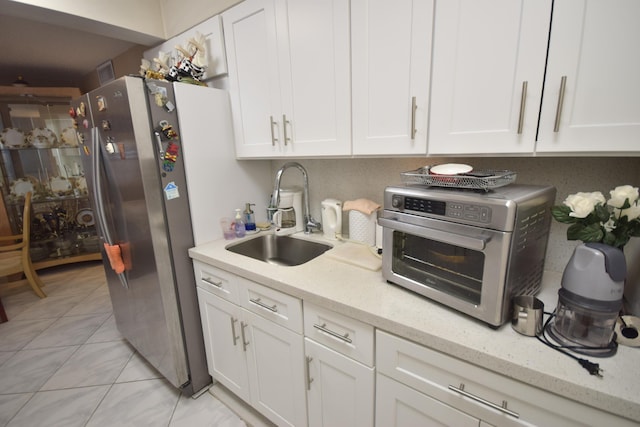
(34, 281)
(3, 314)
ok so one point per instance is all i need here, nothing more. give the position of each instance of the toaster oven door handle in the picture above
(472, 242)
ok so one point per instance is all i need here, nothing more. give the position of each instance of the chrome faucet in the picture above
(309, 222)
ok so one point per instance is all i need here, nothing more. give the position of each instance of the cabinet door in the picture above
(594, 50)
(221, 326)
(391, 51)
(488, 70)
(254, 87)
(399, 405)
(340, 391)
(275, 358)
(315, 74)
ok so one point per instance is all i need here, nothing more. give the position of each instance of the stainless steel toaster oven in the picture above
(470, 250)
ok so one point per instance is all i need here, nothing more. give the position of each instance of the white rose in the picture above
(632, 213)
(582, 204)
(622, 193)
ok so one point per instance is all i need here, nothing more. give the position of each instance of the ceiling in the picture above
(51, 55)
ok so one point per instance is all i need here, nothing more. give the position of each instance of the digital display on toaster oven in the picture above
(435, 207)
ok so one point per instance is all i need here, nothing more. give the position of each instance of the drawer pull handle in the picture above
(324, 329)
(244, 341)
(308, 372)
(272, 308)
(503, 408)
(212, 282)
(233, 330)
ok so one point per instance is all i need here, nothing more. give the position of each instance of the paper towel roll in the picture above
(362, 228)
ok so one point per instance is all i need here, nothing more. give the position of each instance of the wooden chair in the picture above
(15, 257)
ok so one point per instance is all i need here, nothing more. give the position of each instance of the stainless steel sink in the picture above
(280, 250)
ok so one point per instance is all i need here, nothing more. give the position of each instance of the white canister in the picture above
(362, 227)
(331, 218)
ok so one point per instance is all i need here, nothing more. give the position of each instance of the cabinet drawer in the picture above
(340, 333)
(216, 281)
(280, 308)
(442, 377)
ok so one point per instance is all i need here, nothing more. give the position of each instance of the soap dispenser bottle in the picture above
(238, 225)
(249, 219)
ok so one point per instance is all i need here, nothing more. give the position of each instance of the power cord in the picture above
(591, 367)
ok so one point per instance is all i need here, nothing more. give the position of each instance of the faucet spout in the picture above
(309, 222)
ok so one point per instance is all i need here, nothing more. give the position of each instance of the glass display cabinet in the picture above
(39, 153)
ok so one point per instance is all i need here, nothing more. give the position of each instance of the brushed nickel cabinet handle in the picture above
(258, 301)
(233, 331)
(563, 85)
(308, 372)
(503, 408)
(414, 107)
(326, 330)
(273, 136)
(212, 282)
(244, 340)
(285, 122)
(523, 99)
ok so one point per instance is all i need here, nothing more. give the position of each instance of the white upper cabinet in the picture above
(488, 71)
(594, 70)
(289, 77)
(254, 83)
(391, 58)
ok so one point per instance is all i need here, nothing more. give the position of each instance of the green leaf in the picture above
(589, 233)
(602, 213)
(561, 214)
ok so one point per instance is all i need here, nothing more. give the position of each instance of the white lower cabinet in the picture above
(412, 377)
(399, 405)
(340, 373)
(254, 355)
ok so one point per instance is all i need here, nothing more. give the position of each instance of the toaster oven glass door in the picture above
(452, 269)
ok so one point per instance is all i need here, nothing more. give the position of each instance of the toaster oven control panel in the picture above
(455, 210)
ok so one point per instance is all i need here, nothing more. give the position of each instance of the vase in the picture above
(632, 282)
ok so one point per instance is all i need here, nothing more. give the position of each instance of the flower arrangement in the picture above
(594, 219)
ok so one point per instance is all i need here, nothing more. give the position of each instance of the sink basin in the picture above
(280, 250)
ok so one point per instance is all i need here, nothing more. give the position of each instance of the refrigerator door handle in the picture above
(97, 191)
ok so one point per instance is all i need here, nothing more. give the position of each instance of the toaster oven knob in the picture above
(396, 201)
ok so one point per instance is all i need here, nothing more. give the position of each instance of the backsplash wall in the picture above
(349, 179)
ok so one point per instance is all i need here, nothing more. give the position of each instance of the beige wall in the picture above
(125, 64)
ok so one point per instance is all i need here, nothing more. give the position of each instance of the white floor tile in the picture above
(15, 334)
(138, 369)
(50, 307)
(64, 408)
(10, 404)
(107, 332)
(28, 370)
(136, 404)
(92, 364)
(72, 330)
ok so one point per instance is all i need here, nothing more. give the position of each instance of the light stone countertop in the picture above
(364, 295)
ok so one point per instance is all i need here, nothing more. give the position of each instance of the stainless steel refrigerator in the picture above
(133, 158)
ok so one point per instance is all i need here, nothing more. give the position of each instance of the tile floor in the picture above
(63, 363)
